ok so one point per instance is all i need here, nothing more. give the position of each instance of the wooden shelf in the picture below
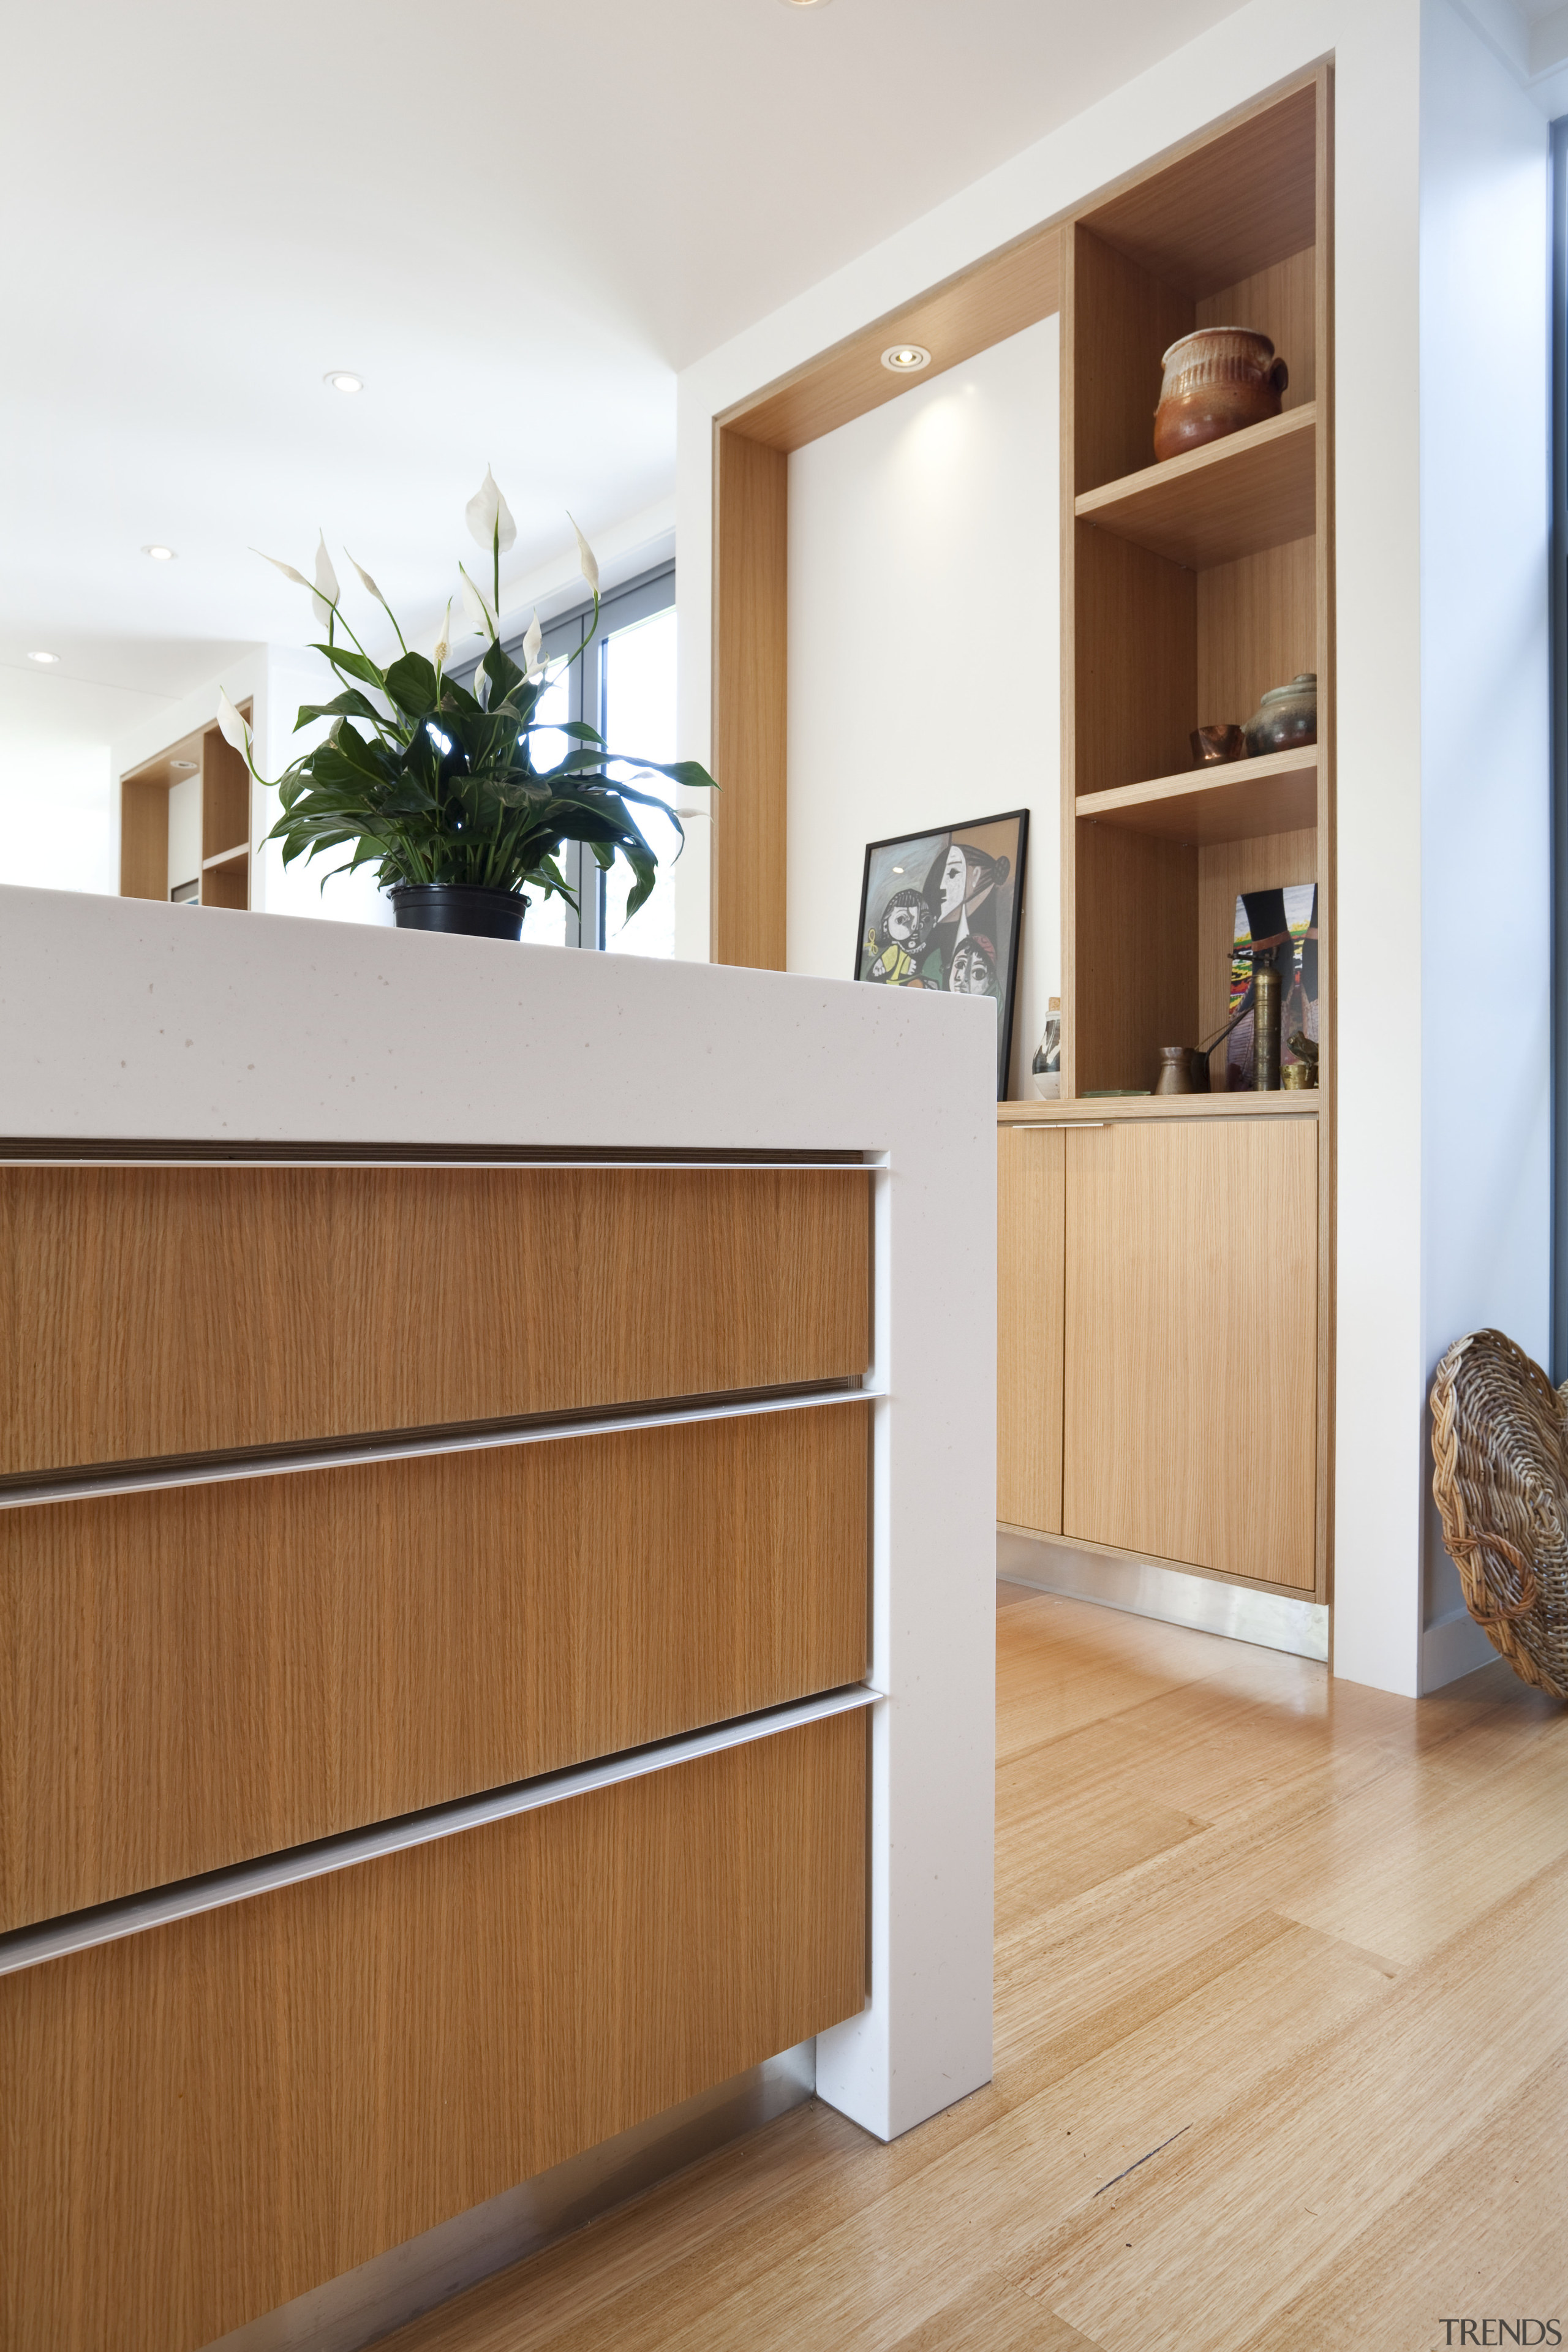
(1232, 498)
(1289, 1103)
(227, 856)
(1241, 801)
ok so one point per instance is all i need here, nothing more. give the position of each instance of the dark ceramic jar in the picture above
(1285, 718)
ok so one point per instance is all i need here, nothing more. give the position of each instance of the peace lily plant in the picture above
(437, 785)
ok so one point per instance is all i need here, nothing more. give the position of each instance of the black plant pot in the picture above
(458, 907)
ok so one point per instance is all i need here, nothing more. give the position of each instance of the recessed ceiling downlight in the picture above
(806, 4)
(46, 659)
(906, 359)
(344, 380)
(160, 554)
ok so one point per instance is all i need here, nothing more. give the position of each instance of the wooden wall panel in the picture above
(1279, 302)
(1231, 203)
(1030, 1168)
(206, 2120)
(1135, 954)
(1134, 655)
(1192, 1340)
(200, 1675)
(160, 1310)
(750, 698)
(1257, 627)
(1012, 288)
(1123, 321)
(226, 797)
(143, 839)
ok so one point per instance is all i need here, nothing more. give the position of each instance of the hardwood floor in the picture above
(1281, 2048)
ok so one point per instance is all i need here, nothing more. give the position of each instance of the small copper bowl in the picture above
(1211, 745)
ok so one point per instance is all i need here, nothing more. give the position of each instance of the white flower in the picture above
(443, 640)
(287, 569)
(487, 512)
(230, 725)
(474, 605)
(530, 647)
(326, 591)
(370, 583)
(586, 560)
(481, 687)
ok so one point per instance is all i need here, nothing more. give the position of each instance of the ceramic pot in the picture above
(1286, 718)
(458, 907)
(1212, 745)
(1219, 381)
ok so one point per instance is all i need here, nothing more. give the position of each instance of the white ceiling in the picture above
(516, 221)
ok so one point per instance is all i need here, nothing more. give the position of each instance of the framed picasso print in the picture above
(940, 910)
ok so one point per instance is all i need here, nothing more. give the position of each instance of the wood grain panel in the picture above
(1277, 794)
(1212, 505)
(1134, 655)
(162, 1310)
(1030, 1172)
(1136, 968)
(1192, 1274)
(198, 1675)
(1010, 290)
(1281, 303)
(750, 698)
(1230, 206)
(143, 839)
(208, 2119)
(1226, 870)
(227, 885)
(226, 797)
(1123, 321)
(1257, 627)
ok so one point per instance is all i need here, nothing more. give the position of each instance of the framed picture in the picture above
(940, 910)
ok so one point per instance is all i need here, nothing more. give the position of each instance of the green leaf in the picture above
(351, 665)
(411, 684)
(350, 704)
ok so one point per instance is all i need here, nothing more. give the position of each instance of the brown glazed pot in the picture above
(1218, 381)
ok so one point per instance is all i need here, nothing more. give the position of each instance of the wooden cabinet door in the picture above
(1029, 1172)
(1190, 1412)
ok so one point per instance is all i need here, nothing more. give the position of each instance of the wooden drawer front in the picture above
(208, 2119)
(199, 1675)
(1192, 1343)
(1030, 1172)
(159, 1311)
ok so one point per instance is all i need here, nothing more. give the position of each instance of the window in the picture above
(624, 685)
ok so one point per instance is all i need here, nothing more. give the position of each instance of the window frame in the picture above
(622, 607)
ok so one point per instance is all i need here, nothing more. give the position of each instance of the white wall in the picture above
(59, 825)
(1485, 765)
(924, 592)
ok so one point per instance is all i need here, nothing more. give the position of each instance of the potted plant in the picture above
(437, 785)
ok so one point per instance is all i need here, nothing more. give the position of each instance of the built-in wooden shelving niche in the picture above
(220, 858)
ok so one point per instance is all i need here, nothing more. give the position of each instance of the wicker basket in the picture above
(1499, 1441)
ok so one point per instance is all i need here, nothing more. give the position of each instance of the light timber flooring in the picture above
(1281, 2030)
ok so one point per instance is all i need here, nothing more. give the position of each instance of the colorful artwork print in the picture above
(1280, 925)
(940, 910)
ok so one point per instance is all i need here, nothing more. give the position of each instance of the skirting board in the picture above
(366, 2304)
(1455, 1645)
(1274, 1621)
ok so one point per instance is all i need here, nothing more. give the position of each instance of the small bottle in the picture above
(1046, 1069)
(1264, 1029)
